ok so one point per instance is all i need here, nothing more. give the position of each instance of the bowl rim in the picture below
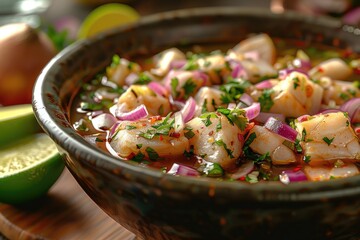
(69, 141)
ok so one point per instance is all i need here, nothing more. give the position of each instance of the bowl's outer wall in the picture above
(158, 206)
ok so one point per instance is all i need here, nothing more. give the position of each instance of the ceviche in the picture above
(248, 113)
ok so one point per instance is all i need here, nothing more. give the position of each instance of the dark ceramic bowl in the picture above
(158, 206)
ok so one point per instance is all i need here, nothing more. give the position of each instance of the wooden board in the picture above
(66, 213)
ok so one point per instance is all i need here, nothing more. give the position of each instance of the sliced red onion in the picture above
(357, 130)
(243, 170)
(238, 70)
(113, 128)
(252, 111)
(182, 170)
(352, 17)
(264, 116)
(289, 176)
(284, 72)
(302, 65)
(136, 114)
(179, 123)
(177, 63)
(158, 88)
(131, 79)
(303, 118)
(352, 108)
(103, 121)
(203, 76)
(108, 146)
(103, 93)
(330, 110)
(188, 111)
(281, 129)
(96, 113)
(266, 84)
(247, 99)
(231, 106)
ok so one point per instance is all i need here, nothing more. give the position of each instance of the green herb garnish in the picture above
(265, 100)
(328, 141)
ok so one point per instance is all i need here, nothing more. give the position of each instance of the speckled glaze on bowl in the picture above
(158, 206)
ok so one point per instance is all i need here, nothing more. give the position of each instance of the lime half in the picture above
(28, 168)
(106, 17)
(16, 122)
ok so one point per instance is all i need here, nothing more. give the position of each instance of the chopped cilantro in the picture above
(99, 140)
(297, 146)
(149, 134)
(143, 79)
(232, 90)
(265, 100)
(191, 64)
(206, 118)
(213, 170)
(115, 60)
(153, 155)
(218, 126)
(174, 84)
(129, 127)
(203, 107)
(262, 158)
(344, 96)
(356, 84)
(189, 153)
(189, 134)
(235, 116)
(221, 143)
(303, 135)
(307, 158)
(86, 106)
(138, 146)
(139, 157)
(189, 88)
(296, 82)
(328, 141)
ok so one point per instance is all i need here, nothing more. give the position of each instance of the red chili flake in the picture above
(320, 69)
(161, 138)
(297, 168)
(175, 135)
(347, 53)
(232, 143)
(211, 133)
(144, 124)
(336, 42)
(131, 156)
(357, 70)
(242, 178)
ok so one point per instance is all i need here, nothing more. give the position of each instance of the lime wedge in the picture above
(28, 168)
(106, 17)
(16, 122)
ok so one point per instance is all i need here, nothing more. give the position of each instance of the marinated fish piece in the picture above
(216, 139)
(207, 99)
(334, 68)
(338, 92)
(296, 95)
(120, 69)
(183, 84)
(326, 171)
(261, 43)
(257, 70)
(148, 138)
(328, 137)
(267, 142)
(164, 59)
(136, 95)
(215, 66)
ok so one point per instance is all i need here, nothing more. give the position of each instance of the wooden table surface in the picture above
(66, 212)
